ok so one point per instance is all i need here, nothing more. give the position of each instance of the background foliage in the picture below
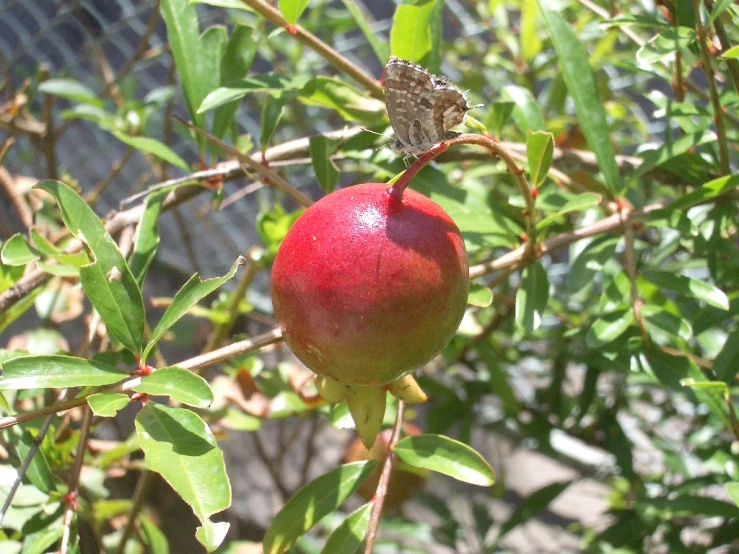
(602, 329)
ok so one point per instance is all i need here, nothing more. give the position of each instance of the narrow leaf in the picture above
(733, 491)
(410, 35)
(190, 294)
(480, 296)
(539, 150)
(662, 324)
(183, 37)
(578, 76)
(666, 43)
(726, 364)
(108, 281)
(147, 235)
(576, 203)
(692, 288)
(16, 251)
(532, 297)
(179, 384)
(321, 150)
(271, 115)
(179, 446)
(107, 404)
(312, 502)
(347, 101)
(708, 191)
(447, 456)
(348, 537)
(269, 82)
(526, 113)
(71, 90)
(608, 328)
(56, 372)
(532, 505)
(154, 147)
(292, 9)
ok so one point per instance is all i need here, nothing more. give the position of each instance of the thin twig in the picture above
(10, 187)
(718, 113)
(72, 503)
(381, 491)
(138, 499)
(272, 467)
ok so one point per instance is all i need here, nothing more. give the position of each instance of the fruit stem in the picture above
(496, 151)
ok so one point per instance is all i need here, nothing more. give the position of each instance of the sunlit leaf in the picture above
(179, 384)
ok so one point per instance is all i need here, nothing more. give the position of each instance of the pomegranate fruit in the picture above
(369, 284)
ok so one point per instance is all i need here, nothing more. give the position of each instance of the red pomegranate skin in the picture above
(367, 287)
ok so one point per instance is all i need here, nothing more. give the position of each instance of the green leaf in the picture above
(671, 150)
(666, 43)
(179, 446)
(480, 296)
(347, 538)
(147, 235)
(692, 288)
(71, 90)
(733, 491)
(230, 4)
(107, 404)
(539, 150)
(154, 147)
(616, 293)
(380, 48)
(590, 261)
(189, 295)
(608, 328)
(526, 114)
(576, 203)
(695, 505)
(312, 502)
(56, 372)
(498, 116)
(269, 82)
(235, 64)
(348, 102)
(530, 42)
(726, 364)
(410, 35)
(732, 53)
(183, 36)
(447, 456)
(212, 534)
(532, 505)
(292, 9)
(708, 191)
(532, 297)
(179, 384)
(321, 150)
(48, 250)
(108, 281)
(39, 472)
(662, 324)
(578, 75)
(152, 536)
(271, 115)
(16, 251)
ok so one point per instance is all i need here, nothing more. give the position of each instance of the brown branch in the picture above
(71, 499)
(725, 43)
(381, 491)
(338, 61)
(718, 113)
(9, 186)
